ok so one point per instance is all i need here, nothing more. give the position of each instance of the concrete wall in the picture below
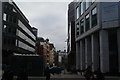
(109, 14)
(0, 38)
(104, 51)
(118, 36)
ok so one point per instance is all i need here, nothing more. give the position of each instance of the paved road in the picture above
(69, 77)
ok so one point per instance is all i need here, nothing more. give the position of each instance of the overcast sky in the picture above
(50, 18)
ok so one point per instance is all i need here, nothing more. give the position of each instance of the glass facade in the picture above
(87, 4)
(26, 29)
(82, 8)
(77, 9)
(16, 33)
(23, 36)
(4, 17)
(94, 17)
(25, 46)
(82, 26)
(87, 24)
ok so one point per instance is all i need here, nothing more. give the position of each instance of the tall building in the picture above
(97, 32)
(17, 34)
(71, 46)
(0, 40)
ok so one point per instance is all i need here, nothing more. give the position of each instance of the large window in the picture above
(26, 29)
(87, 24)
(82, 26)
(94, 17)
(24, 46)
(77, 29)
(23, 36)
(82, 7)
(4, 17)
(87, 3)
(77, 9)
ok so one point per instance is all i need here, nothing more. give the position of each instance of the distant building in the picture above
(17, 34)
(71, 46)
(46, 49)
(40, 42)
(97, 32)
(56, 58)
(51, 55)
(62, 58)
(35, 30)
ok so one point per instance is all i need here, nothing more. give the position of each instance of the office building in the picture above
(97, 30)
(71, 46)
(17, 34)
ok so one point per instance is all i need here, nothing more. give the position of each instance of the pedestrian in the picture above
(47, 73)
(88, 74)
(99, 75)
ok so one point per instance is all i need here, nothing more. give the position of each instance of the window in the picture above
(26, 38)
(94, 17)
(82, 7)
(26, 29)
(87, 24)
(82, 26)
(25, 46)
(93, 1)
(14, 10)
(77, 29)
(87, 4)
(4, 16)
(77, 9)
(4, 28)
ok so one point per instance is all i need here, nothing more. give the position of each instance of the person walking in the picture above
(47, 73)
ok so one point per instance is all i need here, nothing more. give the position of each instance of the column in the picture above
(81, 54)
(77, 55)
(88, 52)
(0, 39)
(118, 39)
(104, 51)
(95, 52)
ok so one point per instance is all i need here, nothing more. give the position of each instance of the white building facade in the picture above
(97, 36)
